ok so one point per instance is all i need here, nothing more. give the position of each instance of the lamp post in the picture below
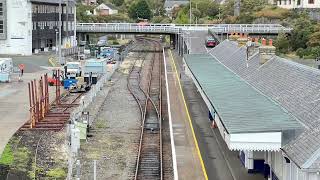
(56, 30)
(60, 32)
(190, 13)
(219, 15)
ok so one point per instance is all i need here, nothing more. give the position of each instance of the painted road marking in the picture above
(173, 150)
(189, 118)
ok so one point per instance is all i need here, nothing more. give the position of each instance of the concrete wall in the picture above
(19, 35)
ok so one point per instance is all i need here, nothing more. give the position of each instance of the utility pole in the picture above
(60, 30)
(196, 16)
(237, 5)
(67, 20)
(190, 12)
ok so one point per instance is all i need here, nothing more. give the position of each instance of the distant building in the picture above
(89, 2)
(28, 26)
(170, 5)
(105, 10)
(293, 4)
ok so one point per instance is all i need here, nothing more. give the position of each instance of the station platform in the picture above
(189, 163)
(220, 163)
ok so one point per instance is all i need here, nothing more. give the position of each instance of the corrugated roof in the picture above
(241, 108)
(294, 86)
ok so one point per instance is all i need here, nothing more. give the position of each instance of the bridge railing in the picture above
(126, 27)
(177, 28)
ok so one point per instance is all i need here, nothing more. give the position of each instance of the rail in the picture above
(178, 28)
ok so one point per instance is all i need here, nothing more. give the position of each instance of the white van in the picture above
(6, 68)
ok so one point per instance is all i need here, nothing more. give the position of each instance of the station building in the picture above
(30, 26)
(265, 107)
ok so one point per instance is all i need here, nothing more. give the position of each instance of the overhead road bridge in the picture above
(177, 29)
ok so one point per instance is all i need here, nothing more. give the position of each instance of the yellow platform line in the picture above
(189, 118)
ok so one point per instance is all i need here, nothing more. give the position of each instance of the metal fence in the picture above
(85, 101)
(71, 51)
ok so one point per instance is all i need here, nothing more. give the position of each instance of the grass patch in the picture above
(57, 173)
(7, 156)
(101, 124)
(21, 159)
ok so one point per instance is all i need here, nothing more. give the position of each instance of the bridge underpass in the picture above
(184, 35)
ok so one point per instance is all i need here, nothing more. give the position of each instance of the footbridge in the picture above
(177, 29)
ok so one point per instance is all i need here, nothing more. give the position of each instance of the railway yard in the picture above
(138, 126)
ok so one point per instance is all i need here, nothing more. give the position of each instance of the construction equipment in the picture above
(54, 80)
(79, 85)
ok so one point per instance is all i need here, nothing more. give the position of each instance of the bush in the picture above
(300, 52)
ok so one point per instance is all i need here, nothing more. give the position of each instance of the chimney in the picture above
(234, 37)
(242, 41)
(266, 52)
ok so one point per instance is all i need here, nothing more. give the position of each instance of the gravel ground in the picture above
(114, 132)
(38, 154)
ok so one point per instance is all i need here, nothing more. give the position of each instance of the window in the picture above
(1, 27)
(1, 9)
(311, 1)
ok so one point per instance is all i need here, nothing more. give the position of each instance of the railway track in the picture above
(149, 159)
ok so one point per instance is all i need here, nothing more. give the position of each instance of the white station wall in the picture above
(19, 28)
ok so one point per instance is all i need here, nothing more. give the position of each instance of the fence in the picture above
(71, 51)
(84, 103)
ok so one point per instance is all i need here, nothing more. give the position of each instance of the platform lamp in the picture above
(60, 32)
(56, 32)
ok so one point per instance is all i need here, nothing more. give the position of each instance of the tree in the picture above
(117, 2)
(213, 9)
(282, 43)
(302, 29)
(140, 9)
(314, 39)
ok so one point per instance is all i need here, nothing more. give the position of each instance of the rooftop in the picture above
(242, 108)
(52, 1)
(293, 86)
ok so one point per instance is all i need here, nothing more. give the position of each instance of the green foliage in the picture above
(183, 16)
(117, 2)
(160, 19)
(302, 29)
(272, 12)
(57, 173)
(21, 159)
(314, 39)
(282, 43)
(7, 156)
(300, 52)
(140, 9)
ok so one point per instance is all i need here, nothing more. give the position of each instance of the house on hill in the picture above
(170, 5)
(105, 9)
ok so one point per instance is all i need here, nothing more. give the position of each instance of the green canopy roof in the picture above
(242, 108)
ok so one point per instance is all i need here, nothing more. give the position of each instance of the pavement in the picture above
(14, 100)
(197, 39)
(188, 160)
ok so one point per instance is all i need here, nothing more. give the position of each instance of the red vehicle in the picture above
(211, 42)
